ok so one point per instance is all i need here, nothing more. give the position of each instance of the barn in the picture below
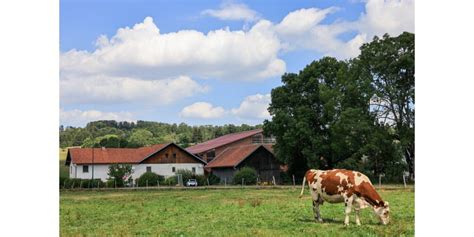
(227, 154)
(163, 159)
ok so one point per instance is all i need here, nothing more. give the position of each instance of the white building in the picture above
(163, 159)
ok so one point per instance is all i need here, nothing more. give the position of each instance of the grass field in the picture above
(233, 212)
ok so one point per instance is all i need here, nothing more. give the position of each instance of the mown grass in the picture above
(236, 212)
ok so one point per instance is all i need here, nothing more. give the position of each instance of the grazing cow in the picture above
(351, 187)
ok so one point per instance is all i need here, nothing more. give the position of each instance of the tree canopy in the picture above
(325, 116)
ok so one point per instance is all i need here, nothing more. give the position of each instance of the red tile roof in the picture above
(114, 155)
(220, 141)
(233, 156)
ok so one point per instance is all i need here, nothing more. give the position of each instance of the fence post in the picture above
(294, 184)
(225, 182)
(73, 182)
(242, 182)
(80, 184)
(257, 182)
(147, 183)
(274, 182)
(115, 183)
(404, 181)
(380, 179)
(64, 184)
(208, 184)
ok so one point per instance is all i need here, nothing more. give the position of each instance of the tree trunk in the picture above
(410, 159)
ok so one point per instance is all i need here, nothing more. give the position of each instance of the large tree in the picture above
(391, 63)
(320, 115)
(326, 116)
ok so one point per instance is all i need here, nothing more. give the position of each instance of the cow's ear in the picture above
(385, 204)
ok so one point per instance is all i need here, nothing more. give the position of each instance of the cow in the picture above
(351, 187)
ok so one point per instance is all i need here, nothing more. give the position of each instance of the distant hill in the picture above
(110, 133)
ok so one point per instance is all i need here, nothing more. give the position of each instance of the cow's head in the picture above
(383, 213)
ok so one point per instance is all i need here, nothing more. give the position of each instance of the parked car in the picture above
(191, 182)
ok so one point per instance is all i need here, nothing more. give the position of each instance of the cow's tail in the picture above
(302, 188)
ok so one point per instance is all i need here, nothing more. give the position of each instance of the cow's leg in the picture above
(317, 213)
(316, 202)
(348, 203)
(357, 212)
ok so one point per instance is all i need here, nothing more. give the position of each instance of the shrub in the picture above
(62, 181)
(72, 183)
(186, 174)
(119, 172)
(152, 178)
(171, 181)
(213, 179)
(248, 174)
(286, 178)
(201, 179)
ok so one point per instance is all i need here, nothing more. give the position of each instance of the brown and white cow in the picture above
(351, 187)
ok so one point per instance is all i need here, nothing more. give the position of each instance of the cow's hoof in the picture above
(320, 220)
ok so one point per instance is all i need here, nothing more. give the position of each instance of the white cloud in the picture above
(302, 29)
(390, 16)
(233, 11)
(143, 52)
(301, 21)
(202, 110)
(80, 118)
(253, 107)
(99, 89)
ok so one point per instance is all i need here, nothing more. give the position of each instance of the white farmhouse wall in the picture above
(100, 171)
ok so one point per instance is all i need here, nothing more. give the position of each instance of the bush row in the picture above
(80, 183)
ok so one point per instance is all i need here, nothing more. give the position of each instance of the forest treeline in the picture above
(110, 133)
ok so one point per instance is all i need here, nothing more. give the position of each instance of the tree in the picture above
(141, 137)
(391, 63)
(120, 173)
(304, 111)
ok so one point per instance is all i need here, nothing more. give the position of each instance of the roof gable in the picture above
(117, 155)
(221, 141)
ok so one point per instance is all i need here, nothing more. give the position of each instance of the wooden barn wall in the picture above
(265, 163)
(181, 157)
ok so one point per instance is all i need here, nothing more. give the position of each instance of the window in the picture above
(85, 169)
(166, 155)
(174, 155)
(211, 154)
(194, 170)
(148, 169)
(173, 169)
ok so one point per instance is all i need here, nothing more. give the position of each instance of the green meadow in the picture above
(223, 212)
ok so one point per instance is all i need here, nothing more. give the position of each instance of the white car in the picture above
(191, 182)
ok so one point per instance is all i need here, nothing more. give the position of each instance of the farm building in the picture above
(163, 159)
(227, 154)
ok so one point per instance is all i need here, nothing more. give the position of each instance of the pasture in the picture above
(220, 212)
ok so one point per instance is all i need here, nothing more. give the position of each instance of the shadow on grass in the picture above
(332, 221)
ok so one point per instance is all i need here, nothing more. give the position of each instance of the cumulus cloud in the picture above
(232, 11)
(390, 16)
(80, 118)
(202, 110)
(142, 51)
(99, 89)
(302, 29)
(253, 107)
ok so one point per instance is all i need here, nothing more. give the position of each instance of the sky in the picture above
(203, 62)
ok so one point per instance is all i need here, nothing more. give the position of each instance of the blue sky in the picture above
(206, 62)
